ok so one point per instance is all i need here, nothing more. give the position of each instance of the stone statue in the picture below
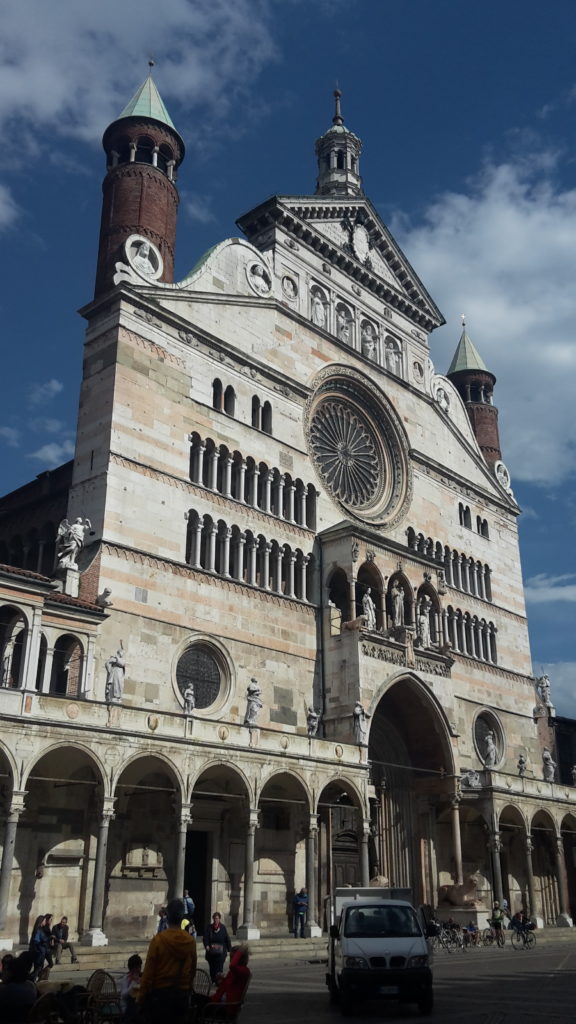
(312, 721)
(397, 598)
(490, 752)
(189, 700)
(368, 341)
(471, 779)
(442, 399)
(573, 774)
(543, 687)
(141, 260)
(115, 669)
(318, 310)
(103, 599)
(70, 541)
(253, 703)
(521, 766)
(424, 620)
(259, 279)
(369, 610)
(360, 723)
(342, 326)
(393, 358)
(548, 766)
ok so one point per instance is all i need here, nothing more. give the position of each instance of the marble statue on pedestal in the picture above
(548, 766)
(253, 703)
(573, 774)
(115, 670)
(521, 766)
(423, 620)
(70, 541)
(397, 598)
(189, 700)
(360, 724)
(312, 721)
(369, 610)
(543, 687)
(490, 752)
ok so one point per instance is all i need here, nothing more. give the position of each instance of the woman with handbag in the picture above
(217, 945)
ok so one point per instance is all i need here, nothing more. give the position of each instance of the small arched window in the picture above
(340, 164)
(217, 394)
(229, 400)
(267, 418)
(256, 412)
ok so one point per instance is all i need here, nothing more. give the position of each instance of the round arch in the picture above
(284, 803)
(60, 749)
(156, 760)
(513, 830)
(544, 858)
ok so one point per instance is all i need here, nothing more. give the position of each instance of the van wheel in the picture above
(426, 1003)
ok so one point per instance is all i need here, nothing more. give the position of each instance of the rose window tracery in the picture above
(346, 453)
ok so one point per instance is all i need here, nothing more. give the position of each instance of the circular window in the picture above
(488, 739)
(199, 669)
(359, 447)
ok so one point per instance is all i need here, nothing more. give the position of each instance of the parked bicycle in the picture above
(493, 935)
(522, 936)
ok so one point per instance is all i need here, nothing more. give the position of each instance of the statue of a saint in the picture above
(253, 703)
(543, 686)
(312, 721)
(393, 358)
(548, 766)
(115, 670)
(368, 341)
(342, 325)
(142, 262)
(573, 774)
(397, 598)
(369, 610)
(189, 700)
(70, 541)
(424, 620)
(521, 766)
(259, 279)
(442, 399)
(490, 752)
(360, 724)
(318, 310)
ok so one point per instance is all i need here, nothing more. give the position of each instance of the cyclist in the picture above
(497, 922)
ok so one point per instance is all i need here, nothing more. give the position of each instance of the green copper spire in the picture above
(466, 357)
(147, 102)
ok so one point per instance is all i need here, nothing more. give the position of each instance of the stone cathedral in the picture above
(267, 628)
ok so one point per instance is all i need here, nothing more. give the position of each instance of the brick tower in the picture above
(475, 384)
(143, 151)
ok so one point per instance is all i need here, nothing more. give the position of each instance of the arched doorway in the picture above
(340, 824)
(544, 863)
(142, 847)
(215, 846)
(56, 837)
(412, 770)
(513, 859)
(280, 853)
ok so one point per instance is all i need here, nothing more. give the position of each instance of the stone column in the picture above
(365, 860)
(311, 928)
(457, 841)
(184, 822)
(280, 496)
(16, 809)
(211, 559)
(227, 489)
(32, 652)
(352, 596)
(213, 471)
(278, 571)
(247, 929)
(480, 582)
(290, 574)
(201, 448)
(301, 500)
(253, 499)
(563, 920)
(88, 668)
(241, 480)
(268, 490)
(225, 566)
(95, 936)
(196, 545)
(291, 491)
(495, 846)
(473, 578)
(529, 846)
(464, 574)
(303, 566)
(252, 562)
(239, 571)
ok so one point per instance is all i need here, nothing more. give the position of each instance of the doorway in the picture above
(196, 877)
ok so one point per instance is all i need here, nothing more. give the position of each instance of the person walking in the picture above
(189, 905)
(217, 945)
(60, 937)
(40, 941)
(169, 971)
(299, 912)
(163, 921)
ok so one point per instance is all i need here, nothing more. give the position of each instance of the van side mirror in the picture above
(334, 933)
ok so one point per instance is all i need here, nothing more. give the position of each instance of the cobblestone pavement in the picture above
(479, 986)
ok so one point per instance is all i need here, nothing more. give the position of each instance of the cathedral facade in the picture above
(268, 628)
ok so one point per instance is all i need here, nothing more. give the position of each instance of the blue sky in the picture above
(468, 115)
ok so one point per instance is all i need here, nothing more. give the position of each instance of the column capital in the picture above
(107, 811)
(313, 823)
(17, 804)
(366, 828)
(253, 818)
(494, 842)
(559, 845)
(529, 843)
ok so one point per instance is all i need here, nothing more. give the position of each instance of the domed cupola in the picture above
(338, 152)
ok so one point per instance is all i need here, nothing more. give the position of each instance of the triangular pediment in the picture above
(349, 232)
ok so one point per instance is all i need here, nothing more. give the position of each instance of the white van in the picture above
(378, 950)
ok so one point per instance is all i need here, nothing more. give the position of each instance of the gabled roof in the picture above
(466, 357)
(147, 102)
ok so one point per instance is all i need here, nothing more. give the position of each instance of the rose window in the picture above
(346, 453)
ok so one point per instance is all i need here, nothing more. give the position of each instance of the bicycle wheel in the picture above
(530, 940)
(500, 937)
(517, 940)
(487, 937)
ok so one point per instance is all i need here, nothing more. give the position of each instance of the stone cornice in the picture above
(459, 484)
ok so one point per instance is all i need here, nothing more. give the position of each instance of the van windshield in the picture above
(381, 922)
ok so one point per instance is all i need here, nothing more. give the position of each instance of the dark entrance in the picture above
(196, 877)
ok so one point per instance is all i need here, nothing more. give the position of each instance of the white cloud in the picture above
(503, 252)
(8, 208)
(11, 436)
(199, 208)
(544, 589)
(46, 425)
(67, 71)
(53, 454)
(40, 393)
(563, 686)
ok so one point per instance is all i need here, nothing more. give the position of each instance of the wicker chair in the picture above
(103, 1004)
(44, 1011)
(201, 984)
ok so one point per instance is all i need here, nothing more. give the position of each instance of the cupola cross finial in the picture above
(463, 319)
(337, 119)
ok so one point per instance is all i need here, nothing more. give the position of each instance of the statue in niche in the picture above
(424, 620)
(369, 610)
(259, 279)
(393, 358)
(490, 751)
(573, 774)
(342, 325)
(360, 724)
(548, 766)
(253, 703)
(318, 310)
(70, 541)
(189, 700)
(543, 687)
(368, 340)
(397, 598)
(521, 766)
(142, 260)
(443, 399)
(312, 721)
(115, 670)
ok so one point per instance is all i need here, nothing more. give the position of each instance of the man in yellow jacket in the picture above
(169, 971)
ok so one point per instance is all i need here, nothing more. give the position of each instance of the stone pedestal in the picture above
(564, 921)
(248, 931)
(6, 944)
(94, 937)
(68, 581)
(312, 931)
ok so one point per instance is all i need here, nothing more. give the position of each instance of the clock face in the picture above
(361, 242)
